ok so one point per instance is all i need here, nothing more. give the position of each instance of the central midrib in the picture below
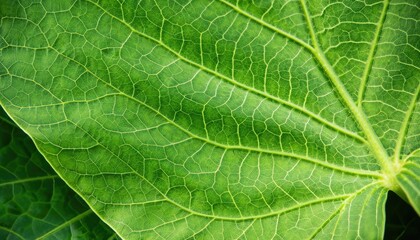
(375, 144)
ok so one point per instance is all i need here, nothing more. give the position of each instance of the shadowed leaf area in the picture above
(222, 119)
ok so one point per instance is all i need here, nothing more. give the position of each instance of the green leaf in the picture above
(222, 119)
(34, 202)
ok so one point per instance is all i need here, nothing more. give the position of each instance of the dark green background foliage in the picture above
(288, 119)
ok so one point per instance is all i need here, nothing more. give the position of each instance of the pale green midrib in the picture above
(12, 232)
(65, 224)
(339, 209)
(269, 26)
(375, 145)
(404, 127)
(296, 156)
(305, 111)
(373, 47)
(28, 180)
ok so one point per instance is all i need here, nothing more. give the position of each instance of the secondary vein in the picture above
(404, 125)
(372, 51)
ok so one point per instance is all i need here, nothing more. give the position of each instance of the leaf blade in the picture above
(187, 120)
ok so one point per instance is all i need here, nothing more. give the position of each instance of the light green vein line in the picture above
(404, 126)
(12, 232)
(411, 174)
(28, 180)
(65, 224)
(410, 155)
(373, 47)
(375, 145)
(273, 28)
(240, 85)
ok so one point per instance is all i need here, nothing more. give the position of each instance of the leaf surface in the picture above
(222, 119)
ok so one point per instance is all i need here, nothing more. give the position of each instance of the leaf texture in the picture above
(221, 119)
